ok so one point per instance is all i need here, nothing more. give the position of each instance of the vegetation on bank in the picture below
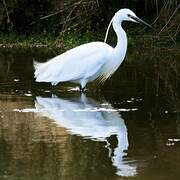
(13, 40)
(67, 23)
(73, 39)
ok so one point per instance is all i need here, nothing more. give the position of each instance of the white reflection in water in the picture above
(82, 116)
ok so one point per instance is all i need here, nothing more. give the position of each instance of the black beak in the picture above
(141, 21)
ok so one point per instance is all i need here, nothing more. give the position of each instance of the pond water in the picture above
(127, 129)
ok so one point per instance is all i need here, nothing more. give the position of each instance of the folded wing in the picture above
(81, 62)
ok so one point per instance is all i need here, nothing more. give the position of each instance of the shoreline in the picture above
(72, 40)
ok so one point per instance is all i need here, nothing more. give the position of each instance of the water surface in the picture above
(130, 129)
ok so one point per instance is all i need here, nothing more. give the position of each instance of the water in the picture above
(128, 130)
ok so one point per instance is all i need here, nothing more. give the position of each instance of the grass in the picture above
(68, 40)
(14, 40)
(71, 39)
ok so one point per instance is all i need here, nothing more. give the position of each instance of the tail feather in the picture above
(42, 72)
(37, 68)
(36, 64)
(47, 71)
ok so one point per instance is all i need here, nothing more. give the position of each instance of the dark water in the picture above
(130, 129)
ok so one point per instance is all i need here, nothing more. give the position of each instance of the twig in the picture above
(172, 39)
(53, 14)
(57, 12)
(159, 14)
(169, 20)
(5, 7)
(47, 16)
(177, 30)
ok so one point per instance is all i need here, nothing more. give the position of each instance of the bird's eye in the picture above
(129, 15)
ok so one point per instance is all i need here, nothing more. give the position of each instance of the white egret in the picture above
(90, 119)
(87, 62)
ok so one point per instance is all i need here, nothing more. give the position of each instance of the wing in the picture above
(81, 62)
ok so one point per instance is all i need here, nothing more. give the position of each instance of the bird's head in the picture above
(125, 15)
(128, 15)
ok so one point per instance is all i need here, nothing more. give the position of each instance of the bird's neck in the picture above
(121, 46)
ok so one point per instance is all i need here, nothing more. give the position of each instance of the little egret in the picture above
(88, 118)
(87, 62)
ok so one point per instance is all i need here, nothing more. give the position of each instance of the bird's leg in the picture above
(82, 85)
(81, 88)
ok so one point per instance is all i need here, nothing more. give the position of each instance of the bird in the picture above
(91, 61)
(90, 119)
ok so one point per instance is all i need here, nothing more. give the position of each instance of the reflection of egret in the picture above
(89, 61)
(85, 117)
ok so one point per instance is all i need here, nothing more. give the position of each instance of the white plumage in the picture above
(86, 117)
(74, 65)
(89, 61)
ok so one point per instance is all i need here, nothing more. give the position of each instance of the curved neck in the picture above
(121, 46)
